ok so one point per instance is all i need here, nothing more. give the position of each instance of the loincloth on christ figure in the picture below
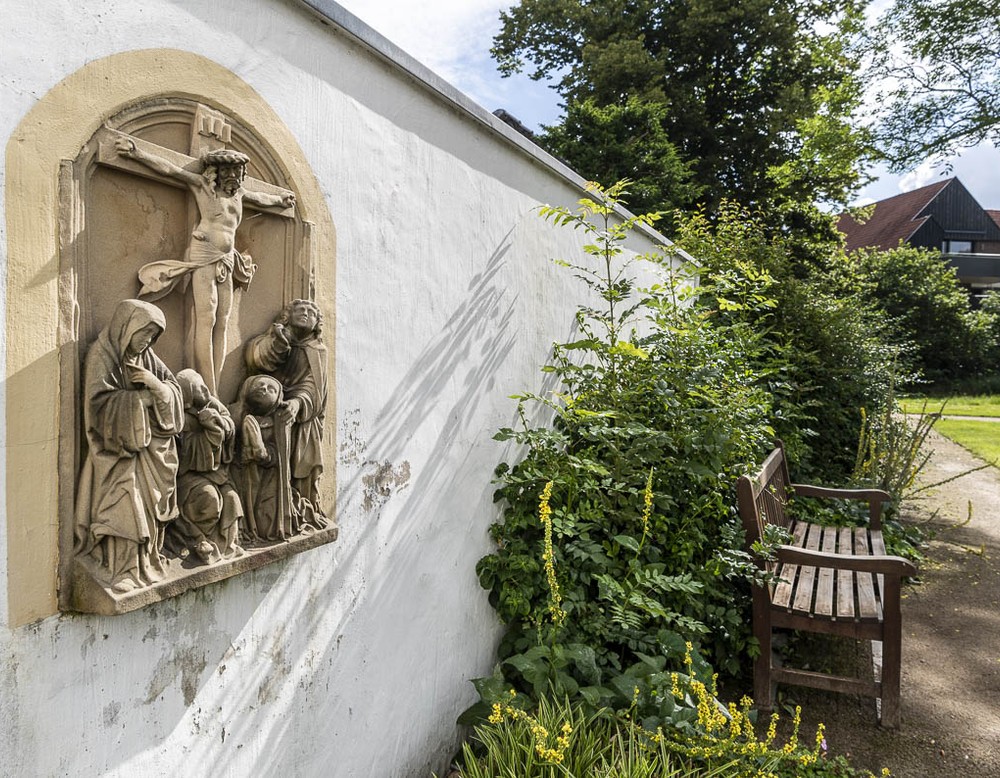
(160, 278)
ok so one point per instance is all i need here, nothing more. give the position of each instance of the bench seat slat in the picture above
(824, 582)
(878, 547)
(845, 579)
(867, 605)
(785, 585)
(805, 589)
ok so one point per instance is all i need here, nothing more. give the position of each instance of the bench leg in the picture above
(762, 697)
(892, 644)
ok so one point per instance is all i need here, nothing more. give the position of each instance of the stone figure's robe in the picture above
(210, 508)
(127, 488)
(301, 370)
(264, 481)
(160, 278)
(274, 510)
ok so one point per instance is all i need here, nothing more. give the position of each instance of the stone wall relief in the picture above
(196, 466)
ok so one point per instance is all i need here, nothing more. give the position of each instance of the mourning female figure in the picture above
(132, 410)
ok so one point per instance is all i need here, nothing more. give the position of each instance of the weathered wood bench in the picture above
(831, 580)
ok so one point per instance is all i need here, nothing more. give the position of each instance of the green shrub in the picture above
(562, 740)
(822, 353)
(920, 302)
(639, 548)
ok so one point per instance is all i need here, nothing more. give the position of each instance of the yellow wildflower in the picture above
(647, 510)
(548, 557)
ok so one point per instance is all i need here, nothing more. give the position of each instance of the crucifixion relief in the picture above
(178, 466)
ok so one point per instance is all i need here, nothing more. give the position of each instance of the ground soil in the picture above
(951, 642)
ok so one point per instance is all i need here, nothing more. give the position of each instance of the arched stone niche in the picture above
(111, 216)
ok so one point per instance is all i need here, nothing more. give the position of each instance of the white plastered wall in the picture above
(352, 659)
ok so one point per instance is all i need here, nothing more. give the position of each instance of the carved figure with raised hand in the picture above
(211, 265)
(132, 410)
(210, 508)
(292, 351)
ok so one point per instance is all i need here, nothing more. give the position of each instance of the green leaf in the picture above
(628, 542)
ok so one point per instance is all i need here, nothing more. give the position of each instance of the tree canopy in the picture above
(941, 88)
(753, 97)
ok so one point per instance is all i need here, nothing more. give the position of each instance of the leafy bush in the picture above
(619, 539)
(920, 301)
(620, 570)
(822, 353)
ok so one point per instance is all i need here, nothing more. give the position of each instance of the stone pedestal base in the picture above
(89, 595)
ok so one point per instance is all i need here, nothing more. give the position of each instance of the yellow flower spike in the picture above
(548, 556)
(820, 738)
(793, 741)
(771, 730)
(647, 506)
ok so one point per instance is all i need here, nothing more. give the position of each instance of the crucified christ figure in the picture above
(211, 264)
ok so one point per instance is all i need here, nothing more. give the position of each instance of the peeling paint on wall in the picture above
(382, 482)
(352, 446)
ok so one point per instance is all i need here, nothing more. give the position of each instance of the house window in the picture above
(956, 247)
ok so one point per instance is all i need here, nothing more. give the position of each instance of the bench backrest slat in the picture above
(763, 496)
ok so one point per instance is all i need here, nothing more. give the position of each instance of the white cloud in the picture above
(453, 38)
(926, 173)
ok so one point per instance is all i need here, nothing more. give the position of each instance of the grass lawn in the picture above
(963, 405)
(982, 438)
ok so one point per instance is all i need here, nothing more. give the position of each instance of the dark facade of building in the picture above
(942, 216)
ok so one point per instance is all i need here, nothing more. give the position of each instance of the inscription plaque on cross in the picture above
(211, 265)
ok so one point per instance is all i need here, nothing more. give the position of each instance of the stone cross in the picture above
(210, 130)
(211, 264)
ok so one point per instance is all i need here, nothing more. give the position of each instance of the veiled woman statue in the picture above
(132, 411)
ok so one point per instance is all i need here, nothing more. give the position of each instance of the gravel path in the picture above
(951, 641)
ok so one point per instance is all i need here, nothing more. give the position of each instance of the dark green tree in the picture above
(753, 96)
(921, 306)
(942, 81)
(626, 141)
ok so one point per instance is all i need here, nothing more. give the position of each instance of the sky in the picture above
(453, 39)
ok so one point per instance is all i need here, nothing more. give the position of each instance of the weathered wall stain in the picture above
(380, 484)
(110, 714)
(352, 446)
(187, 663)
(280, 669)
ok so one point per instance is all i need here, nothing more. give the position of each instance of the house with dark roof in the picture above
(942, 216)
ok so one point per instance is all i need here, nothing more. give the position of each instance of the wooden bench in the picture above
(831, 580)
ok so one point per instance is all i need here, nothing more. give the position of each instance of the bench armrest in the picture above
(874, 498)
(883, 565)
